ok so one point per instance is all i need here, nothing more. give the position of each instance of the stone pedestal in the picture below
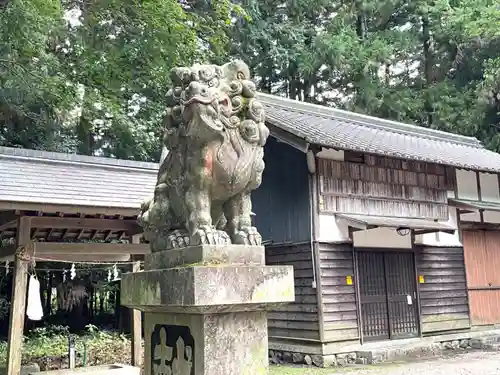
(205, 309)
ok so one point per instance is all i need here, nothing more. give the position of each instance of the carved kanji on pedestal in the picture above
(171, 355)
(183, 363)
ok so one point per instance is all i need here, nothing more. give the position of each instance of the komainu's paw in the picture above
(247, 236)
(208, 235)
(178, 239)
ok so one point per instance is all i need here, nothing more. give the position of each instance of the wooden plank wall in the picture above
(384, 186)
(340, 320)
(443, 295)
(297, 320)
(485, 307)
(482, 257)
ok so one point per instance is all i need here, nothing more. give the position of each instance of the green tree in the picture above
(32, 87)
(121, 53)
(96, 72)
(433, 63)
(475, 29)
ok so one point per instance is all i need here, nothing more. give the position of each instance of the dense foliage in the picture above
(90, 76)
(434, 63)
(48, 347)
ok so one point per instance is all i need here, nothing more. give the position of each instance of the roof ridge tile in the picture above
(27, 154)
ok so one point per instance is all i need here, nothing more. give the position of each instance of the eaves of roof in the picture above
(343, 130)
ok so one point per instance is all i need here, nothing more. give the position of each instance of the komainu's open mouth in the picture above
(212, 109)
(211, 116)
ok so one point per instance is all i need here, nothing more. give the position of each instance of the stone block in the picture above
(379, 356)
(208, 289)
(368, 355)
(298, 358)
(464, 344)
(476, 343)
(342, 359)
(330, 360)
(30, 369)
(317, 360)
(435, 348)
(205, 255)
(308, 360)
(206, 344)
(275, 357)
(351, 357)
(287, 357)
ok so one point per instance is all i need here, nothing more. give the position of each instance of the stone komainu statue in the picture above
(215, 133)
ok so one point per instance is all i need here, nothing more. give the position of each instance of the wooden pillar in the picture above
(18, 301)
(136, 317)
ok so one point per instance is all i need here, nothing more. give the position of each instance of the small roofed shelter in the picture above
(51, 203)
(360, 207)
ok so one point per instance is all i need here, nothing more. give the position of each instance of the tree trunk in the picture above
(85, 135)
(118, 310)
(95, 302)
(427, 66)
(91, 302)
(48, 296)
(306, 88)
(101, 303)
(43, 287)
(361, 27)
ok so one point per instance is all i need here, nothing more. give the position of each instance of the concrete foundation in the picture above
(385, 351)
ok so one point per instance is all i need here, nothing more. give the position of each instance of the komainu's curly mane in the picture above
(214, 133)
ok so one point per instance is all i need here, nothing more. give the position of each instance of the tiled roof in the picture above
(329, 127)
(28, 176)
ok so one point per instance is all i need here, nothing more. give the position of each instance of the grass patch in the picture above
(49, 348)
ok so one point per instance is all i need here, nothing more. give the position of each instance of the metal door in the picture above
(387, 288)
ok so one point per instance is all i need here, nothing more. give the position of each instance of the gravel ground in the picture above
(475, 363)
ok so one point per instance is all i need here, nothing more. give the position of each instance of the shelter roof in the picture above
(31, 178)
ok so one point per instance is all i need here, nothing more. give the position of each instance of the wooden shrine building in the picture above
(51, 202)
(366, 210)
